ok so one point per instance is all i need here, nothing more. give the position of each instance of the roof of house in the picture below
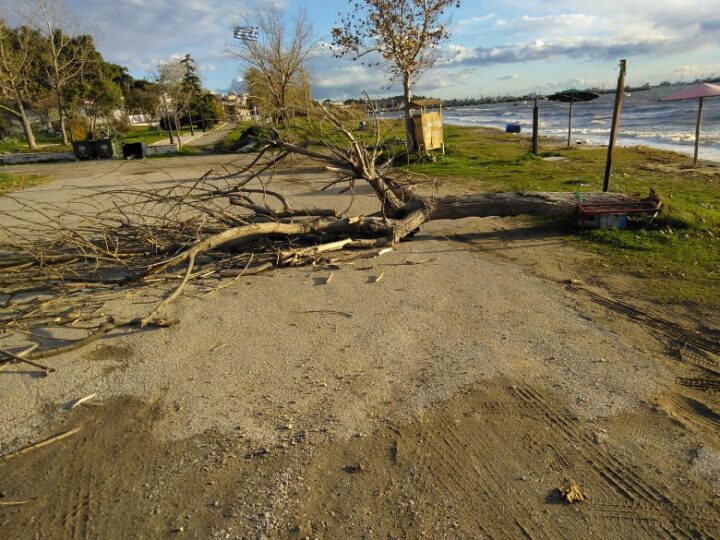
(421, 103)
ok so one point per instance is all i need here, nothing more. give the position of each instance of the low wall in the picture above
(162, 149)
(36, 157)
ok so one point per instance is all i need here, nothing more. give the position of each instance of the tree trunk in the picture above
(29, 136)
(546, 204)
(407, 94)
(61, 117)
(177, 129)
(192, 128)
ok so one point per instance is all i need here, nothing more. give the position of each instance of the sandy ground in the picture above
(447, 400)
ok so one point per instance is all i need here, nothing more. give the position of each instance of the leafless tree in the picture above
(169, 78)
(17, 87)
(405, 33)
(277, 58)
(67, 49)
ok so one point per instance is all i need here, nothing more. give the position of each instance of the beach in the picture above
(645, 121)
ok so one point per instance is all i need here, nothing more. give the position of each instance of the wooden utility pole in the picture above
(697, 132)
(572, 98)
(619, 94)
(536, 122)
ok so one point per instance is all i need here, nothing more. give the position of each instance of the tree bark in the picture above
(61, 117)
(546, 204)
(29, 136)
(177, 129)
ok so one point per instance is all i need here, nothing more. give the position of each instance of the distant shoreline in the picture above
(592, 144)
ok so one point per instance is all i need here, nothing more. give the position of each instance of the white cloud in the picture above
(471, 21)
(548, 23)
(697, 69)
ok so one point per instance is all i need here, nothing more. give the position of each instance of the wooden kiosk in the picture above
(427, 125)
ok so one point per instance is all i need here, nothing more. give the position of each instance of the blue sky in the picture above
(498, 47)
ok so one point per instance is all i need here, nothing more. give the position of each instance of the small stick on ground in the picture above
(329, 311)
(20, 358)
(82, 400)
(46, 442)
(13, 503)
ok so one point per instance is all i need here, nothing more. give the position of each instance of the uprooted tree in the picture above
(63, 266)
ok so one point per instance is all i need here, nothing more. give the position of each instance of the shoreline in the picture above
(589, 143)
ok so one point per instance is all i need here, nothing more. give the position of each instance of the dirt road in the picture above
(448, 400)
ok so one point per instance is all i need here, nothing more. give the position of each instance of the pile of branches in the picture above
(61, 266)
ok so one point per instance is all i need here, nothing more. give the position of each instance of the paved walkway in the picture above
(200, 139)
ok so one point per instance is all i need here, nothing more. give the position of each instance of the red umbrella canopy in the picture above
(695, 91)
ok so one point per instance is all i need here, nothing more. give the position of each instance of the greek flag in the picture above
(246, 33)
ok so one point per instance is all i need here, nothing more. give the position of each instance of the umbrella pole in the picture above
(536, 126)
(570, 121)
(697, 132)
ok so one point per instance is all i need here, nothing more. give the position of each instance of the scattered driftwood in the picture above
(46, 442)
(61, 266)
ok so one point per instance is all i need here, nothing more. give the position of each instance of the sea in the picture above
(644, 121)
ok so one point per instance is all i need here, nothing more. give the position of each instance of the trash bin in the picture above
(136, 150)
(104, 149)
(84, 149)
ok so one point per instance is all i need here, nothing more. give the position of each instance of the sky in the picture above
(498, 47)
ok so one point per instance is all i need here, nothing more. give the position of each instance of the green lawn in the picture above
(148, 136)
(230, 142)
(17, 145)
(13, 182)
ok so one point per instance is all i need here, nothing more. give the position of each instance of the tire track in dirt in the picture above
(646, 503)
(708, 385)
(692, 413)
(628, 484)
(629, 497)
(686, 338)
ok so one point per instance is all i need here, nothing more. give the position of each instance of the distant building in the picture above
(236, 106)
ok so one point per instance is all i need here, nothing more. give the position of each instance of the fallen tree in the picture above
(60, 266)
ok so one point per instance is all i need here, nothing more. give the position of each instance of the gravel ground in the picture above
(287, 353)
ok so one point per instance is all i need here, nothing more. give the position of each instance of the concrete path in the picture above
(202, 139)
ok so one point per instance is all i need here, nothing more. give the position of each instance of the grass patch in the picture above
(148, 136)
(46, 143)
(14, 182)
(230, 141)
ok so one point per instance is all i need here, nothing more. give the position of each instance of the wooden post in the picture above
(572, 98)
(697, 132)
(536, 127)
(619, 94)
